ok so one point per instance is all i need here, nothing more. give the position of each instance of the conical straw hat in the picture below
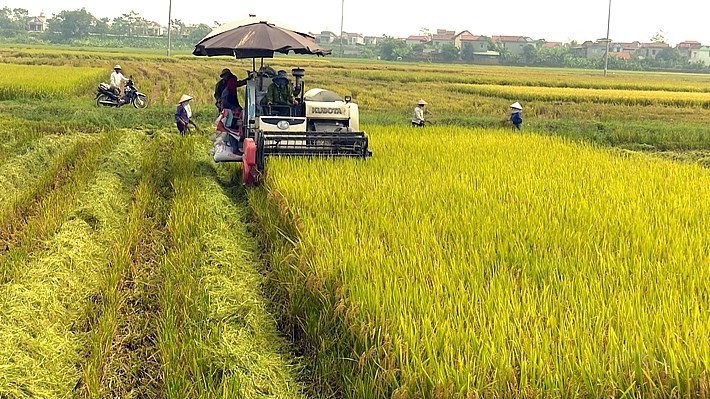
(184, 98)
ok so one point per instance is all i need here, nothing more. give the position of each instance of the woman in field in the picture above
(183, 115)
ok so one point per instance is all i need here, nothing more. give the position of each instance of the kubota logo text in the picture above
(329, 111)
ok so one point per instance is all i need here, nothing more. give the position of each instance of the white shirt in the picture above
(418, 114)
(117, 78)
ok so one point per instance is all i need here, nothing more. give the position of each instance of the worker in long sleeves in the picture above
(117, 79)
(280, 93)
(220, 86)
(418, 117)
(516, 115)
(183, 115)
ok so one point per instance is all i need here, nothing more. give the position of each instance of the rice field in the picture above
(464, 260)
(507, 266)
(44, 81)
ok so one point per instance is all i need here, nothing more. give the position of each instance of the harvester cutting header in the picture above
(313, 122)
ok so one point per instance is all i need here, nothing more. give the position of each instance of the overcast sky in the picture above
(553, 20)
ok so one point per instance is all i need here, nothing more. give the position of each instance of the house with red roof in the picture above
(443, 36)
(686, 48)
(477, 42)
(513, 44)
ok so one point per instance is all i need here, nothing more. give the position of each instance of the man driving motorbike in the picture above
(116, 79)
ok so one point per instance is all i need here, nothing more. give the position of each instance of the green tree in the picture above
(529, 54)
(179, 26)
(391, 48)
(13, 21)
(449, 52)
(199, 32)
(101, 26)
(121, 26)
(70, 25)
(467, 51)
(670, 55)
(659, 37)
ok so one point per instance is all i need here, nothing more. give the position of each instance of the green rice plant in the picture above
(49, 307)
(216, 338)
(494, 264)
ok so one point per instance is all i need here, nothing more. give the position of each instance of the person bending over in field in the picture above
(516, 115)
(418, 117)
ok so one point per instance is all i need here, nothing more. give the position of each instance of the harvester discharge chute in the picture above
(320, 123)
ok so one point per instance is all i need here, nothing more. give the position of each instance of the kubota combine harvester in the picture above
(321, 123)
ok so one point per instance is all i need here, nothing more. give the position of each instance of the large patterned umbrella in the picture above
(256, 38)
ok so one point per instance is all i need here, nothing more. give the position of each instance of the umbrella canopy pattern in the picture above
(254, 38)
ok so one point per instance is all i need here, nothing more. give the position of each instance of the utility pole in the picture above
(170, 24)
(606, 57)
(342, 18)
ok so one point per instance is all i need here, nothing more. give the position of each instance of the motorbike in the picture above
(106, 97)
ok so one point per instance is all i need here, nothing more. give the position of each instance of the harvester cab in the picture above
(320, 123)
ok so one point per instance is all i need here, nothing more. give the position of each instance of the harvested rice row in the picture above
(15, 134)
(47, 311)
(123, 361)
(216, 338)
(79, 157)
(21, 175)
(25, 231)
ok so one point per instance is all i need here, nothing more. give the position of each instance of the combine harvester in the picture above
(320, 124)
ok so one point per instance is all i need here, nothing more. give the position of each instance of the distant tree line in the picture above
(390, 48)
(79, 27)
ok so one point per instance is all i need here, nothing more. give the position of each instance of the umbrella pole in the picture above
(253, 64)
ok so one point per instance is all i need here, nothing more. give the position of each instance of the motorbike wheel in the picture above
(103, 101)
(140, 102)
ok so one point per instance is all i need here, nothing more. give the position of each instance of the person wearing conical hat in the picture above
(183, 115)
(516, 115)
(418, 117)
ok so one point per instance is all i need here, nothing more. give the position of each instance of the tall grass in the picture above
(495, 265)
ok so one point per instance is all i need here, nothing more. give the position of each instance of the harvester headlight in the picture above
(283, 125)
